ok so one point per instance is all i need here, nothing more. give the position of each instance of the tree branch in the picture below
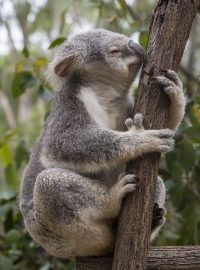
(7, 109)
(132, 13)
(159, 258)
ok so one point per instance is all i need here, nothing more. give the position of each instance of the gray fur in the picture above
(71, 190)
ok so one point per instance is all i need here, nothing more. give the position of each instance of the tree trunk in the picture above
(169, 31)
(159, 258)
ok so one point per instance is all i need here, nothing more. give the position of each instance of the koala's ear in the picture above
(64, 67)
(70, 56)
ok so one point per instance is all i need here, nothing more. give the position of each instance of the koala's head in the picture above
(97, 51)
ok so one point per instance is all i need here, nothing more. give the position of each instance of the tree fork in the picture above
(169, 31)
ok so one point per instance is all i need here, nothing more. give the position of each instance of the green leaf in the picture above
(7, 195)
(112, 19)
(11, 176)
(193, 133)
(47, 266)
(40, 62)
(25, 52)
(9, 135)
(123, 6)
(8, 223)
(188, 233)
(187, 155)
(143, 39)
(5, 208)
(172, 165)
(6, 263)
(71, 265)
(5, 155)
(12, 236)
(19, 67)
(56, 42)
(21, 82)
(45, 94)
(21, 154)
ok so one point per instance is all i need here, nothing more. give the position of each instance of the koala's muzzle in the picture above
(137, 48)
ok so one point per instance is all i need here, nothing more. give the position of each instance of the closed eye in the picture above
(114, 50)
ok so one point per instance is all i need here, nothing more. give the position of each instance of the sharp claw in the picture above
(164, 70)
(137, 179)
(156, 205)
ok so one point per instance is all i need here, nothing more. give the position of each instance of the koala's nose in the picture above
(136, 48)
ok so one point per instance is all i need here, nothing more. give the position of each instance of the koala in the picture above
(74, 183)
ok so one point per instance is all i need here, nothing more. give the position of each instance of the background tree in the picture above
(30, 31)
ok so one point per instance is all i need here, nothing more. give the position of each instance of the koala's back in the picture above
(33, 168)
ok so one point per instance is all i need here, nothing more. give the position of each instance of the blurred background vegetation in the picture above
(30, 31)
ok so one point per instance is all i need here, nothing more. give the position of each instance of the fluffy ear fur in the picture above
(69, 57)
(64, 67)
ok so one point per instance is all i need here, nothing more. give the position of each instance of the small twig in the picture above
(7, 109)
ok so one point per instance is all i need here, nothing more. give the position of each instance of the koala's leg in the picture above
(126, 183)
(71, 213)
(159, 211)
(173, 87)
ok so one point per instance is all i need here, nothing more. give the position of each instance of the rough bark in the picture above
(159, 258)
(169, 31)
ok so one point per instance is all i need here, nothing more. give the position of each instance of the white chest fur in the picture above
(98, 110)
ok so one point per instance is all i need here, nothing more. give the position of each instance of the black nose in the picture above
(137, 48)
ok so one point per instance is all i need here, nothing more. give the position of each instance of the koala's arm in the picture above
(173, 87)
(95, 149)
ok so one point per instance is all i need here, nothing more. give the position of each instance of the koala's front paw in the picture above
(158, 216)
(171, 84)
(173, 87)
(126, 184)
(146, 141)
(159, 140)
(136, 123)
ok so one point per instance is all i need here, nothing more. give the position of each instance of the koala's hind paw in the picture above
(126, 184)
(158, 216)
(135, 123)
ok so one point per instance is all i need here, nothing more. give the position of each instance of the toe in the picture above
(129, 123)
